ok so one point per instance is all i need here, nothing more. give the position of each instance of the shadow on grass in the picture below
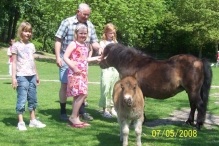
(10, 121)
(110, 141)
(6, 82)
(53, 114)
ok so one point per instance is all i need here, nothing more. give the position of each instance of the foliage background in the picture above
(161, 28)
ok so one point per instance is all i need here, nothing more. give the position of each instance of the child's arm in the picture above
(91, 59)
(14, 66)
(69, 62)
(37, 76)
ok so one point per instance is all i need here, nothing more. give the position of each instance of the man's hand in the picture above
(100, 51)
(59, 62)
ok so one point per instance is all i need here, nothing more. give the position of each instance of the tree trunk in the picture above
(10, 23)
(16, 17)
(200, 52)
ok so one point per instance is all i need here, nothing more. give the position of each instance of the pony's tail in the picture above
(207, 83)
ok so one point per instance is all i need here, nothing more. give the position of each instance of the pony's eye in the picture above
(122, 86)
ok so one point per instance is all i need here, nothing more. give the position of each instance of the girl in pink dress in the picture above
(76, 57)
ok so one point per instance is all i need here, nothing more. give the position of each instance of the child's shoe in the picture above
(106, 114)
(36, 123)
(21, 126)
(86, 116)
(113, 112)
(85, 103)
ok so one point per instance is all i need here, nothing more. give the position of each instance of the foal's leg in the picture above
(120, 129)
(138, 131)
(125, 131)
(144, 122)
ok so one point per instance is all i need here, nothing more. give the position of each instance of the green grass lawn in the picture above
(102, 132)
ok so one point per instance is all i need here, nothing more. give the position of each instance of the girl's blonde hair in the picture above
(108, 28)
(24, 26)
(79, 26)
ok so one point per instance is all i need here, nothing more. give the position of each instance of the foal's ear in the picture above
(136, 75)
(120, 76)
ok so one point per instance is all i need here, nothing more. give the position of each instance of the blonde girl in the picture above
(76, 57)
(24, 76)
(109, 76)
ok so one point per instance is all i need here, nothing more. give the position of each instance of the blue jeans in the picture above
(63, 71)
(26, 91)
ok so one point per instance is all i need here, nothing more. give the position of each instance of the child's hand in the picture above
(37, 80)
(59, 62)
(14, 83)
(77, 71)
(100, 58)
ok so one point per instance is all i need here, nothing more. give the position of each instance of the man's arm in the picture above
(96, 46)
(57, 52)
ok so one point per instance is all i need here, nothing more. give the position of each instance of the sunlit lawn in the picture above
(103, 132)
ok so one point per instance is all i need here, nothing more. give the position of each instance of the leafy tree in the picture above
(198, 19)
(171, 26)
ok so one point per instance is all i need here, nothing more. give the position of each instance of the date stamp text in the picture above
(174, 133)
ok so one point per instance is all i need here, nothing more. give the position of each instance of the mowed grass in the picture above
(103, 132)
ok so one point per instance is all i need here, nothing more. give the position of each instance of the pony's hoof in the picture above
(197, 127)
(189, 123)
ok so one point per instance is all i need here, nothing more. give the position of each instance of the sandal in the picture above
(76, 125)
(107, 115)
(85, 124)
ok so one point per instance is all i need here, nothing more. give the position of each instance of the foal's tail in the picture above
(207, 83)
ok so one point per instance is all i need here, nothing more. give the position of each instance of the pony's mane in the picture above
(121, 53)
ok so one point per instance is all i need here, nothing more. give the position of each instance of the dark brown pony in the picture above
(161, 79)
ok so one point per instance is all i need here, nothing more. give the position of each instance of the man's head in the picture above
(83, 12)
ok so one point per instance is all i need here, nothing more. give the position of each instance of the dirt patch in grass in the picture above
(180, 116)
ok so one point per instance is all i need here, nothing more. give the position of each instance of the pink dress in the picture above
(77, 84)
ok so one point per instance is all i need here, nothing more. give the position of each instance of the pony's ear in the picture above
(107, 49)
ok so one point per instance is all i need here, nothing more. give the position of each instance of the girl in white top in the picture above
(24, 76)
(109, 76)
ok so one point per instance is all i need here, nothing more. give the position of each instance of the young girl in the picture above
(76, 57)
(25, 76)
(109, 76)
